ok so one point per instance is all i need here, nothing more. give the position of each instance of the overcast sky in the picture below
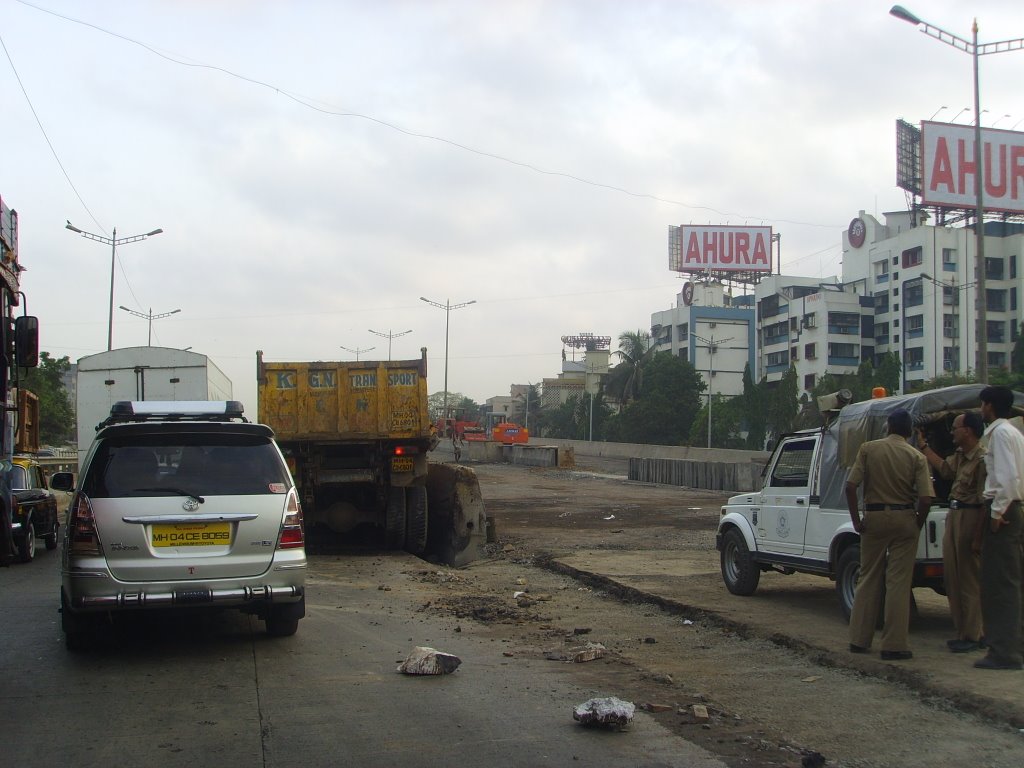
(318, 166)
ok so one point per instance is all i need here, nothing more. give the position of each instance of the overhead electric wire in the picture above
(304, 101)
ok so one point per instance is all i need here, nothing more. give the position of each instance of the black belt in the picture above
(955, 504)
(883, 507)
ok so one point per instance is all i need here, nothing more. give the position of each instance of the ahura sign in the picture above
(720, 249)
(948, 167)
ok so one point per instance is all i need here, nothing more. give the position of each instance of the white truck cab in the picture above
(799, 522)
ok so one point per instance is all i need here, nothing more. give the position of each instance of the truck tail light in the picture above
(292, 535)
(84, 539)
(406, 450)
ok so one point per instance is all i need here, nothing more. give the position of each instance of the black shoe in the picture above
(954, 641)
(964, 646)
(897, 655)
(857, 648)
(990, 663)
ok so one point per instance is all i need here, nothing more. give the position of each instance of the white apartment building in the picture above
(715, 333)
(922, 280)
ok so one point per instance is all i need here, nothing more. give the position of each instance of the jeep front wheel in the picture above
(847, 575)
(739, 571)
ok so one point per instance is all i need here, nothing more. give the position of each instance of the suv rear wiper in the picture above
(177, 491)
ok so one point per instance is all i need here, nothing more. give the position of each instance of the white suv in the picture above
(181, 505)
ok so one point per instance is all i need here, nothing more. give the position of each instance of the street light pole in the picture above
(113, 242)
(711, 371)
(150, 317)
(389, 336)
(356, 351)
(447, 307)
(971, 47)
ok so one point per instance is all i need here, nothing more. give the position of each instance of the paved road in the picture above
(217, 692)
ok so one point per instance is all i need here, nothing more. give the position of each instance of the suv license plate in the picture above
(192, 535)
(401, 464)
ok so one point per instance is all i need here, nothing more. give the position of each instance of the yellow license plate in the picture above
(192, 535)
(401, 464)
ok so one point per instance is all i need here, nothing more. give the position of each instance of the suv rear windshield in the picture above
(192, 464)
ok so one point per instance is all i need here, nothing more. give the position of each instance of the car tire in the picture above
(27, 545)
(53, 536)
(739, 570)
(847, 575)
(283, 620)
(77, 629)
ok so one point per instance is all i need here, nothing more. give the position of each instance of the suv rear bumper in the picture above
(97, 591)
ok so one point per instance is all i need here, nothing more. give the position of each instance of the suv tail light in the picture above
(292, 536)
(84, 540)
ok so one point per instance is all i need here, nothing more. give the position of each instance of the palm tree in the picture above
(634, 351)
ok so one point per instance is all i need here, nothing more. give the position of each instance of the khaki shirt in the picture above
(892, 472)
(967, 471)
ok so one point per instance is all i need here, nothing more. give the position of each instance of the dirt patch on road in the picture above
(775, 693)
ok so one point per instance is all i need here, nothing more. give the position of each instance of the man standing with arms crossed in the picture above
(897, 494)
(965, 524)
(1002, 548)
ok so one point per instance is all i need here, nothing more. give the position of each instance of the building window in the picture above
(915, 326)
(881, 303)
(915, 358)
(1013, 266)
(809, 353)
(950, 327)
(881, 271)
(996, 359)
(913, 257)
(913, 296)
(882, 333)
(809, 381)
(949, 259)
(794, 353)
(993, 269)
(996, 331)
(995, 300)
(950, 359)
(1013, 299)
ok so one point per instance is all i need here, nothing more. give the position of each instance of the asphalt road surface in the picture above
(215, 691)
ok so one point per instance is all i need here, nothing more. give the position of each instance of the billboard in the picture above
(720, 249)
(948, 168)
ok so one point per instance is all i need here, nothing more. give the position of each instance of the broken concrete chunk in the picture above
(607, 712)
(428, 661)
(589, 652)
(700, 713)
(652, 707)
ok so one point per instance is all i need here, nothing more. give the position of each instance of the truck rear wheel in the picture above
(739, 571)
(417, 517)
(396, 518)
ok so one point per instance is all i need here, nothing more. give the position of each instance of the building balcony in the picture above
(882, 278)
(844, 330)
(915, 333)
(882, 339)
(915, 365)
(836, 360)
(772, 340)
(913, 301)
(777, 368)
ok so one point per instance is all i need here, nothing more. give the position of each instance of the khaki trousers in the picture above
(962, 567)
(1001, 555)
(894, 532)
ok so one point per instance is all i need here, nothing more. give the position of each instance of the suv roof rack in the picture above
(126, 411)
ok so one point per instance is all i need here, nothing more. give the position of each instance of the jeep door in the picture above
(786, 497)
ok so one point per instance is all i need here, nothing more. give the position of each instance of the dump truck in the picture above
(356, 436)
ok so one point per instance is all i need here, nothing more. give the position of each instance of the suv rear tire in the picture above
(847, 575)
(739, 571)
(283, 620)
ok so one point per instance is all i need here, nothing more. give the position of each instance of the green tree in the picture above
(459, 406)
(626, 379)
(666, 406)
(783, 405)
(754, 415)
(727, 416)
(56, 415)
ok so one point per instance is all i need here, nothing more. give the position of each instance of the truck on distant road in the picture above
(356, 437)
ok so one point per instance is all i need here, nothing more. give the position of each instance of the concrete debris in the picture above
(607, 712)
(650, 640)
(518, 594)
(811, 679)
(582, 631)
(428, 661)
(812, 760)
(578, 655)
(700, 713)
(384, 588)
(524, 600)
(521, 581)
(649, 707)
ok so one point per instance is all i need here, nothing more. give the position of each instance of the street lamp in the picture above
(971, 47)
(113, 242)
(712, 348)
(447, 307)
(954, 290)
(356, 351)
(389, 336)
(150, 317)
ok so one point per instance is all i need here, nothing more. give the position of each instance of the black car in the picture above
(35, 508)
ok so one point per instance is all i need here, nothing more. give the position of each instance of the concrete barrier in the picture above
(713, 476)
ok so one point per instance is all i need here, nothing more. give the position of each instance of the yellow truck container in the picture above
(356, 436)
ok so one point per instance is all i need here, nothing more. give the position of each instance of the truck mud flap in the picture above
(457, 531)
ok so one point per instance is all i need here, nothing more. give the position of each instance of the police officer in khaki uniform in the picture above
(897, 494)
(965, 524)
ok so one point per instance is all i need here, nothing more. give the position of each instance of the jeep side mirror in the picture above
(26, 341)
